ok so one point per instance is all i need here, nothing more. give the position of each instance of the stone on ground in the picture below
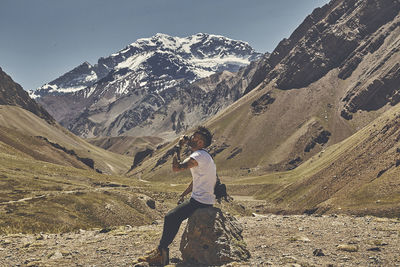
(212, 237)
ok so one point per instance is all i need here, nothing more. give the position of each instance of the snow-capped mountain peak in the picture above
(141, 72)
(148, 59)
(205, 51)
(75, 80)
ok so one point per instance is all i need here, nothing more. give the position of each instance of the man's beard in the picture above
(192, 144)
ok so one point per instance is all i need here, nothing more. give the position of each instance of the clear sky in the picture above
(42, 39)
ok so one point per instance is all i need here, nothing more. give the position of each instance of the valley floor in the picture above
(273, 240)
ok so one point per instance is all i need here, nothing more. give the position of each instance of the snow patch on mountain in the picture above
(135, 61)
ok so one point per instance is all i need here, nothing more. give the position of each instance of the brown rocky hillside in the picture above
(12, 93)
(359, 175)
(23, 130)
(27, 134)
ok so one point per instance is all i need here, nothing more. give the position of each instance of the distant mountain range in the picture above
(124, 91)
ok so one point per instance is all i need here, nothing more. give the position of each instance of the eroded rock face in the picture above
(374, 94)
(212, 237)
(337, 35)
(261, 104)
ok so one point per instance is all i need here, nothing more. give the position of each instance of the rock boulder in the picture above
(212, 237)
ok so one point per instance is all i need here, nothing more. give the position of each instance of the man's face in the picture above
(195, 141)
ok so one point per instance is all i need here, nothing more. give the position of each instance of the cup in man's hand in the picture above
(183, 140)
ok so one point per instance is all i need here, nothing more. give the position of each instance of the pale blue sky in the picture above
(43, 39)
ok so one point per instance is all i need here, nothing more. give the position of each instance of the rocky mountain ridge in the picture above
(11, 93)
(341, 35)
(122, 91)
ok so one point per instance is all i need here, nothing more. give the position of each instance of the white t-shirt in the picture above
(204, 177)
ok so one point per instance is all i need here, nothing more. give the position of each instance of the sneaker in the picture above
(152, 257)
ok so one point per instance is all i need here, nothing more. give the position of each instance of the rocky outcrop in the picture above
(261, 104)
(342, 35)
(236, 151)
(217, 148)
(311, 137)
(140, 156)
(321, 138)
(212, 237)
(374, 94)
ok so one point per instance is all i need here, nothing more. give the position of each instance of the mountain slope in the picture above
(358, 175)
(12, 93)
(43, 141)
(186, 105)
(27, 128)
(44, 189)
(50, 179)
(124, 90)
(277, 128)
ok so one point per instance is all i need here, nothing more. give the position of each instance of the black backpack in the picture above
(220, 191)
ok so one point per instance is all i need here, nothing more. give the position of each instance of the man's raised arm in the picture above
(186, 164)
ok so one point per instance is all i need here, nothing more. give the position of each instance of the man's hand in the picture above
(187, 191)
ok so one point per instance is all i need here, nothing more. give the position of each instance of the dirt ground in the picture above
(273, 240)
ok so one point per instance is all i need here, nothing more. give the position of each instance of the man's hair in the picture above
(205, 134)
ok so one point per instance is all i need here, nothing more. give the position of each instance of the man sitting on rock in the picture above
(203, 170)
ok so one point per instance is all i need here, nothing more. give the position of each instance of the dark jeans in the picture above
(174, 218)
